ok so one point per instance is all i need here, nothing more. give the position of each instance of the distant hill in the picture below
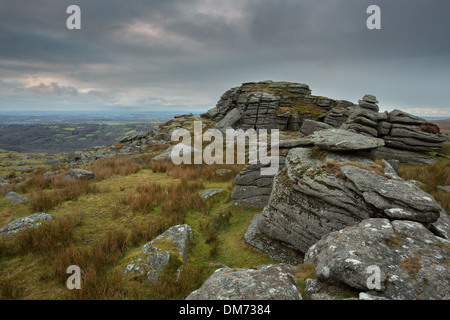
(66, 137)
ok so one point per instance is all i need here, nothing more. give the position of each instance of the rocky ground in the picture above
(337, 207)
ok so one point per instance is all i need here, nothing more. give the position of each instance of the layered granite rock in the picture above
(290, 106)
(268, 105)
(320, 193)
(252, 188)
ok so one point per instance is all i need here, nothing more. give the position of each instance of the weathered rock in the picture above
(253, 188)
(21, 224)
(314, 196)
(3, 182)
(343, 140)
(169, 248)
(294, 143)
(167, 154)
(268, 282)
(49, 174)
(223, 172)
(335, 117)
(369, 102)
(311, 126)
(230, 119)
(404, 156)
(78, 174)
(413, 262)
(209, 193)
(16, 198)
(398, 116)
(441, 227)
(444, 188)
(312, 286)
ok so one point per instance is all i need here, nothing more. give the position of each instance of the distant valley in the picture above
(55, 133)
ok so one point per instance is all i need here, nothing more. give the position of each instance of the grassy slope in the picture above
(107, 209)
(32, 275)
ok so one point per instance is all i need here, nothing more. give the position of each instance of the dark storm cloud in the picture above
(178, 52)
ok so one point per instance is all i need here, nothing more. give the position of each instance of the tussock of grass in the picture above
(431, 176)
(50, 236)
(119, 165)
(69, 190)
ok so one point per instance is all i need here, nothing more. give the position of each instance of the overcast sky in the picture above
(183, 54)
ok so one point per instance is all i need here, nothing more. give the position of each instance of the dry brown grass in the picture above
(431, 176)
(119, 165)
(195, 171)
(9, 290)
(94, 261)
(430, 127)
(191, 278)
(43, 201)
(49, 237)
(412, 265)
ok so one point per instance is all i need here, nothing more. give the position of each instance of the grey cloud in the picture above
(194, 50)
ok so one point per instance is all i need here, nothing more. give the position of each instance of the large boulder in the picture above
(268, 282)
(412, 261)
(21, 224)
(16, 198)
(344, 140)
(167, 252)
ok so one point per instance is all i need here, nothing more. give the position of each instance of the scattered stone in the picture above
(314, 196)
(78, 174)
(49, 174)
(21, 224)
(223, 172)
(210, 192)
(444, 188)
(16, 198)
(268, 282)
(169, 248)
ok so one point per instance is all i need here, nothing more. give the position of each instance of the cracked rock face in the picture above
(268, 282)
(316, 195)
(413, 263)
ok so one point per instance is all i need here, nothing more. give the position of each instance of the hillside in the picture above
(355, 189)
(66, 137)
